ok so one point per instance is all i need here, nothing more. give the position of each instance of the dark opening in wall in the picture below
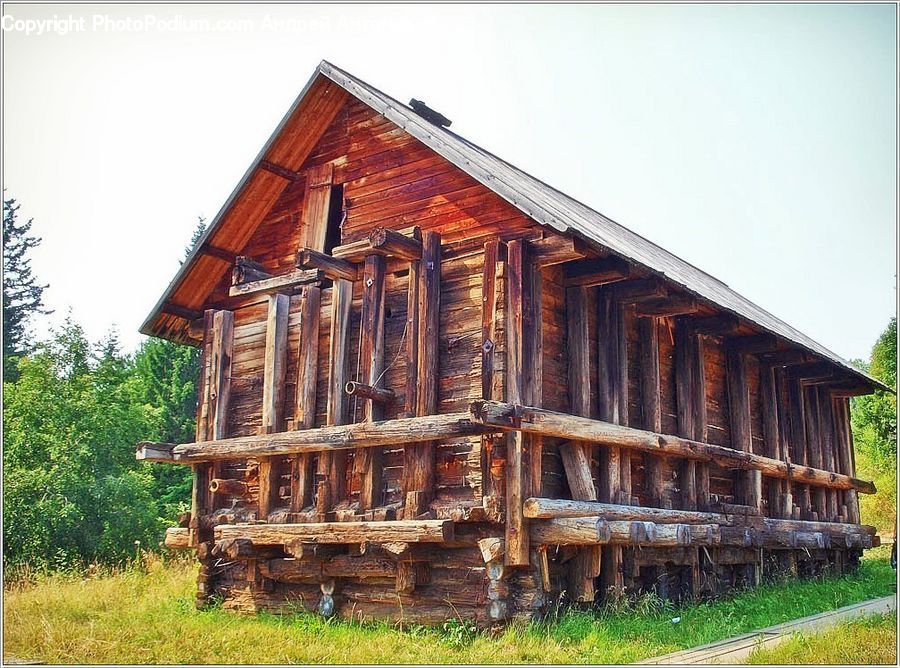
(335, 218)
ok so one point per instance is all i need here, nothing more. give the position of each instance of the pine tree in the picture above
(22, 295)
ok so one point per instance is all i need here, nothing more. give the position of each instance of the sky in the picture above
(757, 142)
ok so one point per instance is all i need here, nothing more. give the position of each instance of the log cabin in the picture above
(433, 386)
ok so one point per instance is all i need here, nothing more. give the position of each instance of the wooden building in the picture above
(434, 386)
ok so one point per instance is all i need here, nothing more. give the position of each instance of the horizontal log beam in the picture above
(276, 283)
(278, 170)
(668, 306)
(177, 539)
(544, 422)
(334, 268)
(409, 531)
(556, 249)
(227, 487)
(382, 241)
(591, 272)
(181, 311)
(555, 508)
(341, 437)
(379, 394)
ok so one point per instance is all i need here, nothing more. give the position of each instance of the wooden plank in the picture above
(412, 339)
(316, 201)
(282, 283)
(739, 422)
(275, 366)
(648, 331)
(595, 271)
(420, 531)
(418, 462)
(541, 508)
(504, 416)
(331, 267)
(305, 401)
(533, 329)
(671, 306)
(369, 461)
(489, 316)
(517, 549)
(775, 489)
(798, 438)
(814, 447)
(333, 464)
(556, 249)
(840, 406)
(685, 397)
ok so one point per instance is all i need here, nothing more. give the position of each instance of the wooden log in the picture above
(841, 408)
(533, 373)
(576, 456)
(492, 548)
(308, 358)
(798, 449)
(189, 314)
(228, 487)
(324, 439)
(418, 460)
(670, 307)
(825, 421)
(774, 489)
(378, 395)
(243, 548)
(570, 531)
(685, 399)
(739, 421)
(412, 339)
(246, 270)
(302, 487)
(639, 290)
(178, 538)
(333, 464)
(555, 508)
(282, 283)
(722, 324)
(489, 317)
(648, 331)
(333, 268)
(593, 272)
(409, 531)
(394, 244)
(556, 249)
(369, 461)
(517, 549)
(814, 446)
(598, 531)
(275, 365)
(504, 416)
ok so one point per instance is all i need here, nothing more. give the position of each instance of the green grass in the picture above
(146, 615)
(870, 640)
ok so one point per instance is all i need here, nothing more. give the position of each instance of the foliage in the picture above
(870, 640)
(22, 295)
(74, 493)
(874, 419)
(146, 615)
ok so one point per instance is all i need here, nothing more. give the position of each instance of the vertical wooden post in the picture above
(516, 476)
(576, 456)
(825, 420)
(368, 461)
(739, 421)
(841, 407)
(613, 405)
(488, 346)
(218, 342)
(418, 467)
(701, 423)
(650, 405)
(305, 402)
(774, 488)
(273, 396)
(798, 438)
(412, 339)
(333, 464)
(684, 400)
(784, 437)
(814, 446)
(533, 333)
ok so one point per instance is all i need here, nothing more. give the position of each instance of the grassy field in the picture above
(146, 615)
(870, 640)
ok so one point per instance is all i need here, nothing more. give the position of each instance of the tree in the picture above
(874, 420)
(22, 295)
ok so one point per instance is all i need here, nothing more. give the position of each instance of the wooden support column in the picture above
(701, 423)
(774, 489)
(684, 400)
(212, 410)
(274, 368)
(648, 329)
(825, 421)
(814, 447)
(612, 390)
(739, 422)
(533, 332)
(305, 401)
(368, 461)
(332, 465)
(489, 388)
(516, 464)
(841, 406)
(576, 456)
(784, 437)
(418, 467)
(798, 440)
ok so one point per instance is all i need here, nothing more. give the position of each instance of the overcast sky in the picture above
(756, 142)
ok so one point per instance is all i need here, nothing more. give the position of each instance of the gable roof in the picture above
(540, 202)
